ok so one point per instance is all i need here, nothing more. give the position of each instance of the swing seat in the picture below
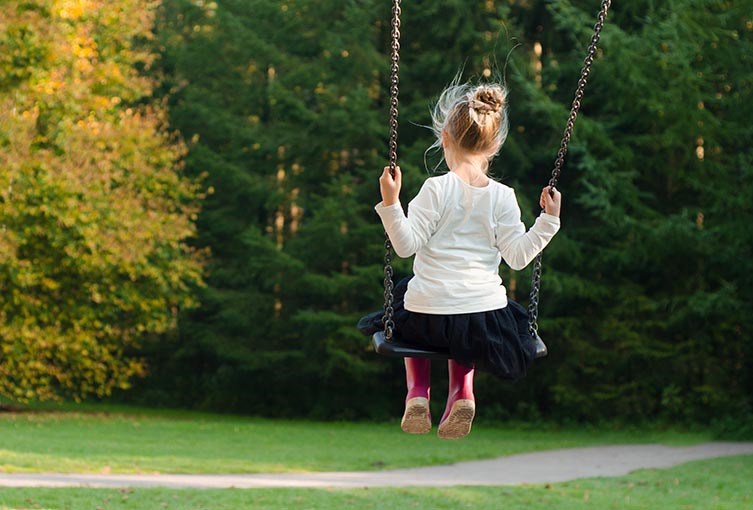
(401, 350)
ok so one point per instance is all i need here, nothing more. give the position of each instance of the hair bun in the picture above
(471, 117)
(487, 99)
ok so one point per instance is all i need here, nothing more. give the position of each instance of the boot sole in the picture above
(416, 418)
(458, 422)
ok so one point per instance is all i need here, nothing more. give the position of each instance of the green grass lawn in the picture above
(101, 439)
(718, 484)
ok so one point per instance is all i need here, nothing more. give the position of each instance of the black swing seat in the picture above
(402, 350)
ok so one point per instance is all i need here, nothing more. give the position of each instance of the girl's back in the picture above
(457, 269)
(460, 233)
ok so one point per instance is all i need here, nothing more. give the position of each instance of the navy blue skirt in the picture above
(496, 341)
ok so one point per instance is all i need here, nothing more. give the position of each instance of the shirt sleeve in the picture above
(518, 247)
(409, 234)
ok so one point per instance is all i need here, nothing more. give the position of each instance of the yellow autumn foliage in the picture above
(94, 210)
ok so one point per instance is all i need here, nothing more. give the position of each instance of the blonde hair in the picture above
(474, 116)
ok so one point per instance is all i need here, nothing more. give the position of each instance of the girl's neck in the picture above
(471, 169)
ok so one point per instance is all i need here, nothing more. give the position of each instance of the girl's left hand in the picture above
(390, 186)
(550, 200)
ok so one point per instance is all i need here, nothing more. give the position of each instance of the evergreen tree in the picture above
(644, 288)
(279, 100)
(644, 327)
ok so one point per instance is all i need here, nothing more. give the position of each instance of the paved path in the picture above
(528, 468)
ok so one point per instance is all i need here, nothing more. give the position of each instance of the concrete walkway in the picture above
(528, 468)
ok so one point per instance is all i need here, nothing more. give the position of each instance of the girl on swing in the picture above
(460, 226)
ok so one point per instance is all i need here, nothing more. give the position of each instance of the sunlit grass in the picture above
(718, 484)
(101, 439)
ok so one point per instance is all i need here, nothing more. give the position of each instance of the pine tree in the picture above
(646, 323)
(644, 290)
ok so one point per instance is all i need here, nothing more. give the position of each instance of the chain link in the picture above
(387, 320)
(533, 303)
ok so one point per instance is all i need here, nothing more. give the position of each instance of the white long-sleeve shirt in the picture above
(460, 234)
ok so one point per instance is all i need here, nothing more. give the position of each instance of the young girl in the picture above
(460, 226)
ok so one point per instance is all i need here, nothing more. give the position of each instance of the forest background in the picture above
(187, 192)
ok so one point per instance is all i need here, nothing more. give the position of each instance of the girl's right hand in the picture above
(390, 186)
(550, 201)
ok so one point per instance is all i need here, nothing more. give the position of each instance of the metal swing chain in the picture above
(387, 319)
(533, 304)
